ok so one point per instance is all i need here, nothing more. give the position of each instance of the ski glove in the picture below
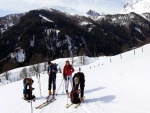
(65, 77)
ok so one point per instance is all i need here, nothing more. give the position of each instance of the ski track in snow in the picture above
(120, 86)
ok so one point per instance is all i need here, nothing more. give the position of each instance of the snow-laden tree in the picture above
(6, 75)
(82, 59)
(24, 73)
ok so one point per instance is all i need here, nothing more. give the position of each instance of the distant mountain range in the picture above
(48, 33)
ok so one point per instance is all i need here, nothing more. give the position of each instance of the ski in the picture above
(47, 103)
(77, 105)
(41, 104)
(69, 105)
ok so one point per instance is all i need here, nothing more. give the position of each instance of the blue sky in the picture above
(101, 6)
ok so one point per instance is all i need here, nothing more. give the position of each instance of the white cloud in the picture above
(109, 6)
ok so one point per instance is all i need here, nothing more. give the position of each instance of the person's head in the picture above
(67, 62)
(55, 64)
(49, 62)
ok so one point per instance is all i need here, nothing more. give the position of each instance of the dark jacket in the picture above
(52, 67)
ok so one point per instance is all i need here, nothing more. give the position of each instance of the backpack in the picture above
(74, 96)
(28, 88)
(27, 81)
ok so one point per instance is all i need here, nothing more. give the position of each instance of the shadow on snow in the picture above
(104, 99)
(93, 90)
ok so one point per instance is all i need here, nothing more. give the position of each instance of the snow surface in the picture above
(137, 6)
(138, 29)
(19, 56)
(69, 44)
(45, 18)
(85, 23)
(32, 42)
(113, 85)
(67, 10)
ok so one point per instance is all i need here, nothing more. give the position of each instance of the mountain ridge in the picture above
(51, 34)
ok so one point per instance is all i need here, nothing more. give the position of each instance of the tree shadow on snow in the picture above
(104, 99)
(93, 90)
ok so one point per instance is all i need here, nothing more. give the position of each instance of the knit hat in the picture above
(67, 61)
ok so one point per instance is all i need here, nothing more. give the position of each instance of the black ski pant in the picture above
(52, 80)
(81, 88)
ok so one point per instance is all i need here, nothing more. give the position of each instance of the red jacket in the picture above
(68, 70)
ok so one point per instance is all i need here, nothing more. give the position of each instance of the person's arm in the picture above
(64, 76)
(72, 69)
(64, 70)
(48, 70)
(56, 70)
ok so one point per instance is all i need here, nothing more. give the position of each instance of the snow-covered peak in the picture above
(92, 13)
(67, 10)
(137, 6)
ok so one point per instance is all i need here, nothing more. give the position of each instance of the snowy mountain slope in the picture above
(138, 6)
(116, 26)
(67, 10)
(119, 86)
(45, 18)
(13, 19)
(146, 16)
(9, 20)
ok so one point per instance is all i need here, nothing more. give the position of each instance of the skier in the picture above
(78, 79)
(52, 70)
(27, 91)
(67, 75)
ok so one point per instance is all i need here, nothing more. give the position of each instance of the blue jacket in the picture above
(52, 67)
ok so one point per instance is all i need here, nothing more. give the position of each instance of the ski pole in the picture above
(63, 87)
(59, 86)
(40, 86)
(67, 88)
(30, 89)
(31, 107)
